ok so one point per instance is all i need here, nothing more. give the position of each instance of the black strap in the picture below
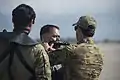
(10, 63)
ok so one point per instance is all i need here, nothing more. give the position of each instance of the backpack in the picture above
(15, 41)
(10, 51)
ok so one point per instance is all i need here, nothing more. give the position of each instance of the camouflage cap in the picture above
(85, 21)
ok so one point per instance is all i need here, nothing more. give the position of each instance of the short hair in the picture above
(46, 29)
(22, 15)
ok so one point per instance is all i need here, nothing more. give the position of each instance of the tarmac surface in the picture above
(111, 68)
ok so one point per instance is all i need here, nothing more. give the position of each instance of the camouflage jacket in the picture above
(34, 54)
(56, 70)
(80, 61)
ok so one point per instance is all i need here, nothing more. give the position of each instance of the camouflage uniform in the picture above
(81, 61)
(33, 53)
(56, 70)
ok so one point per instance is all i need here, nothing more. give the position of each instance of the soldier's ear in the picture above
(33, 21)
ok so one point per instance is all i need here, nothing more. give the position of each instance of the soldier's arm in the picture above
(42, 65)
(59, 56)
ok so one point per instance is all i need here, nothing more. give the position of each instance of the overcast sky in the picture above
(66, 12)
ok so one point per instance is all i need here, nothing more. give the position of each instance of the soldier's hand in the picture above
(48, 47)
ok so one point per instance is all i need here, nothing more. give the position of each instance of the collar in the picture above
(21, 38)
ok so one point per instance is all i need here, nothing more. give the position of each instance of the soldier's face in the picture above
(53, 35)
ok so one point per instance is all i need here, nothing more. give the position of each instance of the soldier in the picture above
(81, 61)
(49, 34)
(21, 58)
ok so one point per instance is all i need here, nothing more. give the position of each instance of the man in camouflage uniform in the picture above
(50, 34)
(81, 61)
(21, 58)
